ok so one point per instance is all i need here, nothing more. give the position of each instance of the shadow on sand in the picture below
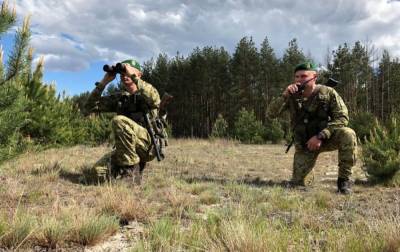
(86, 176)
(256, 182)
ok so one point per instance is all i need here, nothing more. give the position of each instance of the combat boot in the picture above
(344, 186)
(102, 173)
(298, 185)
(116, 171)
(293, 184)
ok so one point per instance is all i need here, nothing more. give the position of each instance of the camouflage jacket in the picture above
(124, 103)
(322, 112)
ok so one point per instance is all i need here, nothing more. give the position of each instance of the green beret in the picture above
(133, 63)
(308, 66)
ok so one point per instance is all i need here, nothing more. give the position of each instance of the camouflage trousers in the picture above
(343, 139)
(132, 145)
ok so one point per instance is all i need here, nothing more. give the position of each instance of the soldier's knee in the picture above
(118, 121)
(347, 136)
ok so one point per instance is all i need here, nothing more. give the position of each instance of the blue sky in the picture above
(75, 82)
(72, 82)
(77, 37)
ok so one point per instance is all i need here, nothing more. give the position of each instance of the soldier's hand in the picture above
(108, 77)
(314, 143)
(291, 89)
(130, 70)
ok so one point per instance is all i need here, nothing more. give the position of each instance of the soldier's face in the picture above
(303, 75)
(128, 83)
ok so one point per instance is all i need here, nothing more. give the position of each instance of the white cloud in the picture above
(76, 33)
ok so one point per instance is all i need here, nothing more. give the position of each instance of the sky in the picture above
(77, 37)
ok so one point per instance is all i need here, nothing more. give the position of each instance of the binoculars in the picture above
(114, 69)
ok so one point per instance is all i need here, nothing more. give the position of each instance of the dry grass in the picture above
(121, 202)
(52, 232)
(89, 229)
(206, 196)
(17, 231)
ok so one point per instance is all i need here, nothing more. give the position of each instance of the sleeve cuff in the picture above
(325, 134)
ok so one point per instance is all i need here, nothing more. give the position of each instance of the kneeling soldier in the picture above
(319, 121)
(133, 144)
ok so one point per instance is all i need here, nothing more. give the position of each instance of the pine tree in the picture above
(160, 74)
(245, 67)
(220, 127)
(269, 85)
(13, 102)
(247, 128)
(381, 154)
(293, 56)
(388, 80)
(361, 73)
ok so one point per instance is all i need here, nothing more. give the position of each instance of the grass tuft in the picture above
(198, 188)
(209, 197)
(122, 203)
(18, 231)
(162, 235)
(52, 233)
(90, 229)
(322, 200)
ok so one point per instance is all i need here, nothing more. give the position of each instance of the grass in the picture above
(206, 196)
(90, 229)
(209, 197)
(119, 201)
(52, 233)
(17, 231)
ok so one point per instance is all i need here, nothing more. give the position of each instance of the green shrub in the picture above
(381, 153)
(247, 128)
(274, 131)
(97, 128)
(362, 123)
(220, 127)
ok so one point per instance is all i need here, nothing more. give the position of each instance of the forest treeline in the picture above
(216, 93)
(210, 82)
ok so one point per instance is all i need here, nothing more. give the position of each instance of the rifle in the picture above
(160, 125)
(156, 142)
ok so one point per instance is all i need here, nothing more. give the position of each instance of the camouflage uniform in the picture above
(132, 140)
(322, 113)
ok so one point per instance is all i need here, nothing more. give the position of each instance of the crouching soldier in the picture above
(134, 125)
(319, 121)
